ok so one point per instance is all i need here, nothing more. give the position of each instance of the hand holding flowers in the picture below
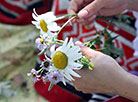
(65, 57)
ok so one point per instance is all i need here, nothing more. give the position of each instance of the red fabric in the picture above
(119, 99)
(42, 57)
(56, 94)
(25, 17)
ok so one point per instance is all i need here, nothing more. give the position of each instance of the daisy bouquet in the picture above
(62, 57)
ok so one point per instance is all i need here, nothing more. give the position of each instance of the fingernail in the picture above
(82, 13)
(80, 44)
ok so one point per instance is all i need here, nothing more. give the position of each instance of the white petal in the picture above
(75, 49)
(70, 42)
(52, 68)
(34, 16)
(52, 49)
(65, 43)
(74, 64)
(68, 76)
(36, 24)
(50, 34)
(76, 57)
(54, 28)
(28, 74)
(42, 32)
(35, 12)
(75, 68)
(64, 82)
(49, 16)
(52, 53)
(73, 73)
(68, 45)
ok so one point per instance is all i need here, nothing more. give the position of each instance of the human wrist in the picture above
(128, 86)
(129, 4)
(118, 81)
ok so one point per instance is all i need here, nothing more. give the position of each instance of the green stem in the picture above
(42, 52)
(40, 70)
(50, 86)
(65, 16)
(101, 49)
(60, 41)
(66, 23)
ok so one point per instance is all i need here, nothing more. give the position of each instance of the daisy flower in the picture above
(33, 75)
(44, 41)
(64, 60)
(45, 22)
(40, 43)
(45, 64)
(55, 77)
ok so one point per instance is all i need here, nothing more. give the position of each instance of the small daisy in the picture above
(45, 23)
(64, 60)
(45, 64)
(55, 77)
(33, 75)
(40, 43)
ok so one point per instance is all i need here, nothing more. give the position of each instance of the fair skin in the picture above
(88, 9)
(107, 76)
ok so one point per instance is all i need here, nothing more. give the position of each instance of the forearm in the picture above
(128, 87)
(132, 4)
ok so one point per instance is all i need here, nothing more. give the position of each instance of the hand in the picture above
(88, 9)
(104, 78)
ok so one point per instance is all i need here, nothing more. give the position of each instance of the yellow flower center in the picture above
(41, 40)
(43, 25)
(54, 78)
(60, 60)
(33, 75)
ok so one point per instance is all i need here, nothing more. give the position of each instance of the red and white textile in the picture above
(78, 32)
(135, 42)
(19, 12)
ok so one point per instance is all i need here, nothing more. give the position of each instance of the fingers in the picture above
(88, 22)
(74, 7)
(86, 50)
(91, 9)
(111, 11)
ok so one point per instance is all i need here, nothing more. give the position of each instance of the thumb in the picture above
(91, 9)
(86, 50)
(80, 44)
